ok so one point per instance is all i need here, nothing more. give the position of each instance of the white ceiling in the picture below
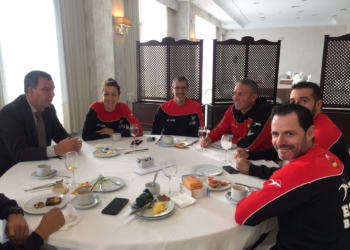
(256, 14)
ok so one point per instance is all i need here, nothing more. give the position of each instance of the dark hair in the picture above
(305, 117)
(31, 79)
(179, 79)
(251, 84)
(110, 82)
(316, 90)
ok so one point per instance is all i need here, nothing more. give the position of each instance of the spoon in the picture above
(154, 179)
(92, 188)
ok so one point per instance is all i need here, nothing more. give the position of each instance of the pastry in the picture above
(39, 204)
(163, 198)
(59, 188)
(52, 201)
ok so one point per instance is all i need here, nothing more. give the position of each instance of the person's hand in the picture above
(241, 153)
(205, 143)
(67, 145)
(16, 228)
(105, 131)
(78, 144)
(51, 222)
(242, 165)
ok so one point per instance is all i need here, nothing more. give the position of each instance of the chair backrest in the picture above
(289, 73)
(308, 78)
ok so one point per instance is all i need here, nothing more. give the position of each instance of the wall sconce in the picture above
(122, 23)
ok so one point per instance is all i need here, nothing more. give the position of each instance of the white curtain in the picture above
(132, 12)
(73, 62)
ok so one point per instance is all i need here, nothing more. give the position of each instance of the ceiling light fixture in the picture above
(342, 9)
(261, 13)
(314, 15)
(300, 11)
(257, 3)
(334, 15)
(295, 6)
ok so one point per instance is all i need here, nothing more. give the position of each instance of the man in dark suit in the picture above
(29, 123)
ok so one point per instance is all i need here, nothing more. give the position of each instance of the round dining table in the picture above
(207, 224)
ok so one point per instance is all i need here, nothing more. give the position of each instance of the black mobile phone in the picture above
(115, 206)
(230, 170)
(138, 142)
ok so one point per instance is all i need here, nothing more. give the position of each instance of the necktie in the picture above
(40, 129)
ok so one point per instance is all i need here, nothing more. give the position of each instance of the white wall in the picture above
(301, 48)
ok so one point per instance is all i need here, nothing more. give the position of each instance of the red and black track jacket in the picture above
(250, 130)
(310, 197)
(171, 119)
(119, 120)
(327, 136)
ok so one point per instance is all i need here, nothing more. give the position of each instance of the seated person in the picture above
(17, 228)
(29, 123)
(179, 116)
(109, 116)
(248, 119)
(309, 195)
(327, 134)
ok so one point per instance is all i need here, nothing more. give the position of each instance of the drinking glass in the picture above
(170, 170)
(71, 161)
(226, 143)
(134, 131)
(202, 134)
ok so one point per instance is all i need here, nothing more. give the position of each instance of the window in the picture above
(207, 32)
(28, 41)
(153, 21)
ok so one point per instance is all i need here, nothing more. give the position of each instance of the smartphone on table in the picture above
(115, 206)
(137, 142)
(230, 170)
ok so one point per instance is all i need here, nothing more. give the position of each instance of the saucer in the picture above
(228, 197)
(163, 144)
(36, 176)
(75, 204)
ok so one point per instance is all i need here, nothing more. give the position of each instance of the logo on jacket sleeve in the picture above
(256, 124)
(193, 117)
(333, 162)
(276, 183)
(345, 186)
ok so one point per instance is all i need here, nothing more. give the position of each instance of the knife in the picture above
(192, 143)
(40, 187)
(140, 209)
(137, 150)
(247, 186)
(159, 139)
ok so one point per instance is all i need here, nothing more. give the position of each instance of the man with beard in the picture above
(179, 116)
(247, 119)
(308, 195)
(29, 123)
(327, 134)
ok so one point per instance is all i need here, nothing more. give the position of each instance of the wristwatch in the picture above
(14, 210)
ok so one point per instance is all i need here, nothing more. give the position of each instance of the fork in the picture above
(144, 211)
(100, 181)
(108, 179)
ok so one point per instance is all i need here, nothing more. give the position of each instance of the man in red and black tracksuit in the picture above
(248, 119)
(179, 116)
(327, 134)
(309, 195)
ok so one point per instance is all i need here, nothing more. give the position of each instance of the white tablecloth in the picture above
(208, 224)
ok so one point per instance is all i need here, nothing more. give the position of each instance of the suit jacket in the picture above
(18, 135)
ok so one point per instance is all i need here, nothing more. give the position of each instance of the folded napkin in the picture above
(71, 217)
(183, 200)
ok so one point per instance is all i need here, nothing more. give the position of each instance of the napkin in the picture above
(71, 217)
(183, 200)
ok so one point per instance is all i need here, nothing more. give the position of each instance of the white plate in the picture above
(29, 204)
(36, 176)
(108, 185)
(158, 218)
(100, 154)
(206, 169)
(217, 145)
(220, 188)
(228, 197)
(163, 144)
(75, 204)
(148, 216)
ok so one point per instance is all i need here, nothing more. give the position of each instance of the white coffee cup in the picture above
(238, 192)
(168, 139)
(154, 190)
(84, 197)
(116, 136)
(43, 170)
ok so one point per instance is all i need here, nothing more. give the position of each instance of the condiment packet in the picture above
(183, 200)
